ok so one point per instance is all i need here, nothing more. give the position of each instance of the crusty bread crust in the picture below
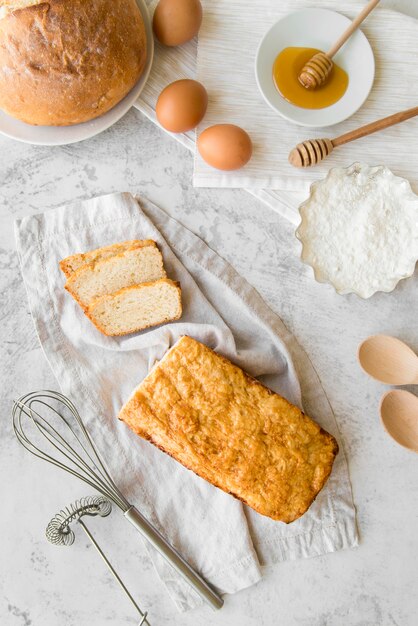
(64, 62)
(232, 431)
(8, 6)
(74, 262)
(89, 311)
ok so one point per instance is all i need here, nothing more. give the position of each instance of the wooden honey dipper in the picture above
(312, 151)
(317, 69)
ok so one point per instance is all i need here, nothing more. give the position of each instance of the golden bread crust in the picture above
(74, 262)
(8, 6)
(231, 430)
(64, 62)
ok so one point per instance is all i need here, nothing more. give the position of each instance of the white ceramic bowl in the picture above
(62, 135)
(352, 243)
(316, 28)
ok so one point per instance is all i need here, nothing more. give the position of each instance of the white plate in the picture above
(62, 135)
(316, 28)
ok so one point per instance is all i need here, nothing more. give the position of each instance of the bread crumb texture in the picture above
(136, 308)
(228, 428)
(64, 62)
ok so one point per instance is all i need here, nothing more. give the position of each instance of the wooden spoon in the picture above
(312, 151)
(399, 414)
(317, 69)
(389, 360)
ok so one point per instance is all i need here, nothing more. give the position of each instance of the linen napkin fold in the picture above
(224, 540)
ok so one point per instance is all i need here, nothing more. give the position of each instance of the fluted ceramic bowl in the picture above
(352, 253)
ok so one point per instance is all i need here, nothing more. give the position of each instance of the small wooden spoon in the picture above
(317, 69)
(399, 414)
(312, 151)
(389, 360)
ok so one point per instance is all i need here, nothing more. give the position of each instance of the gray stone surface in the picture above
(41, 585)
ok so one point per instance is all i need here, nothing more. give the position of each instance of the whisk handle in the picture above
(173, 557)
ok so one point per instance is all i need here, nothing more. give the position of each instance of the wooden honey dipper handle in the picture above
(373, 127)
(353, 27)
(312, 151)
(316, 71)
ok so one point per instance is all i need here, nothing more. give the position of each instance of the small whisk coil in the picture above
(59, 531)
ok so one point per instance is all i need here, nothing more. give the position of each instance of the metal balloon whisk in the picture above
(59, 533)
(53, 419)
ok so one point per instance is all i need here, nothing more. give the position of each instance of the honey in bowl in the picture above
(286, 69)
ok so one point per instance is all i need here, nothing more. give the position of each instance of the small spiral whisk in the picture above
(59, 533)
(53, 419)
(59, 530)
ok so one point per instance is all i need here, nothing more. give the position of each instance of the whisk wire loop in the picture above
(94, 474)
(80, 458)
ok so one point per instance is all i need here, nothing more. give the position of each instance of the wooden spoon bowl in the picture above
(388, 360)
(399, 415)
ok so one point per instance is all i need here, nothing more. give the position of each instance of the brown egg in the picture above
(182, 105)
(225, 146)
(177, 21)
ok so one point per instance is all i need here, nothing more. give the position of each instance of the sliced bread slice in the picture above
(134, 266)
(135, 308)
(72, 263)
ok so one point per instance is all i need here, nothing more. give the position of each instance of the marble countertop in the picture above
(42, 585)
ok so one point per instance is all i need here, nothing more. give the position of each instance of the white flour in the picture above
(359, 229)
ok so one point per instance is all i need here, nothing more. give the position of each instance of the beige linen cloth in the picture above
(223, 539)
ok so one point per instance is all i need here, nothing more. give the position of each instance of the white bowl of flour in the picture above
(359, 229)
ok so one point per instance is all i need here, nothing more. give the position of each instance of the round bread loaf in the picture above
(64, 62)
